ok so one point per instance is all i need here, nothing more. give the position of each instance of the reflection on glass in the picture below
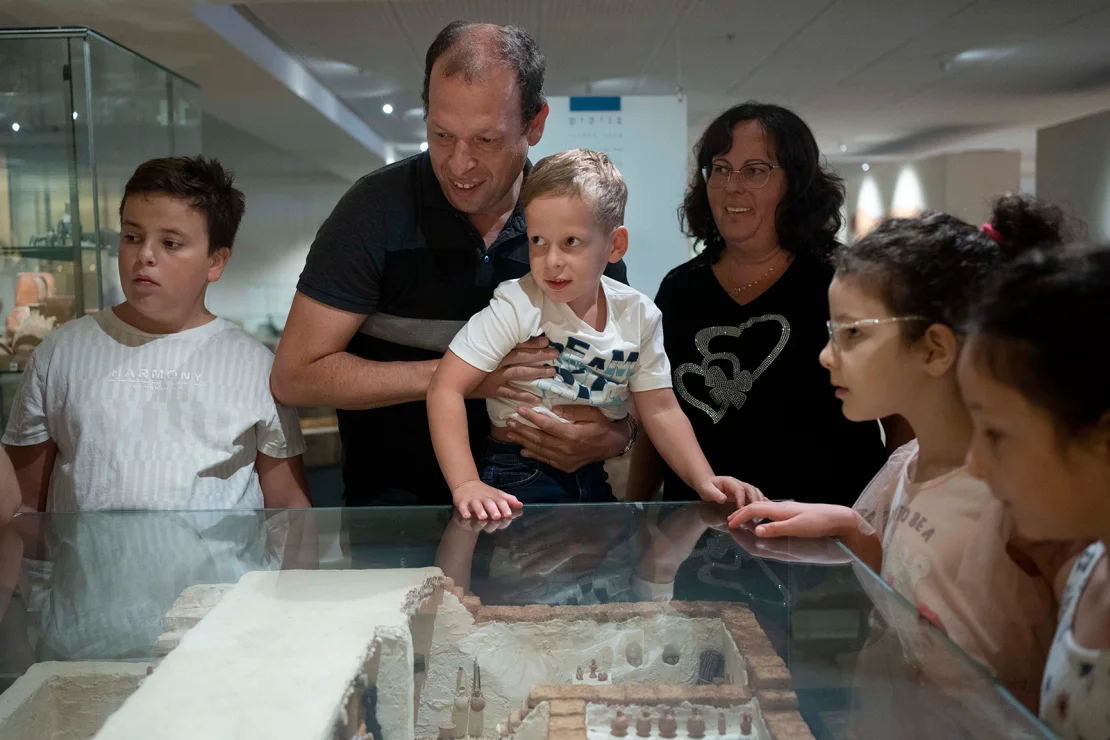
(489, 627)
(78, 114)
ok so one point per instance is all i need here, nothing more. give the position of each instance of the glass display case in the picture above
(78, 113)
(573, 622)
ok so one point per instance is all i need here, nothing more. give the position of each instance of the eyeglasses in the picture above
(840, 334)
(752, 176)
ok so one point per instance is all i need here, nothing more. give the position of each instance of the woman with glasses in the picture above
(744, 321)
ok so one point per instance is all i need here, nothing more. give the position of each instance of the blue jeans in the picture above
(534, 482)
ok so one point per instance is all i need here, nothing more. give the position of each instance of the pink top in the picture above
(945, 545)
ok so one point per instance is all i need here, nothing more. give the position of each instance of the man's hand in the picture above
(516, 367)
(725, 489)
(589, 437)
(486, 502)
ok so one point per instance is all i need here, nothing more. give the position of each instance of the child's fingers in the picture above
(773, 529)
(511, 500)
(503, 507)
(491, 507)
(464, 509)
(479, 510)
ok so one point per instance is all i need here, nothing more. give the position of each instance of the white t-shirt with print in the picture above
(146, 421)
(594, 368)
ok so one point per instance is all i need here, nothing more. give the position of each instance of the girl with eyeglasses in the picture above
(1036, 376)
(899, 303)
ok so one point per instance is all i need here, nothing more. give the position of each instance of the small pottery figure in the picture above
(668, 725)
(578, 674)
(634, 654)
(602, 676)
(593, 669)
(746, 724)
(643, 724)
(670, 654)
(461, 711)
(514, 720)
(695, 726)
(475, 724)
(721, 725)
(618, 726)
(447, 731)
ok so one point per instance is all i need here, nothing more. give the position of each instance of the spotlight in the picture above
(74, 115)
(843, 147)
(866, 167)
(387, 109)
(423, 146)
(15, 127)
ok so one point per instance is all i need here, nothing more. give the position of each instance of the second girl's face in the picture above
(874, 372)
(1057, 485)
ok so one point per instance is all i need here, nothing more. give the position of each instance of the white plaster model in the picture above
(66, 701)
(517, 656)
(534, 726)
(281, 657)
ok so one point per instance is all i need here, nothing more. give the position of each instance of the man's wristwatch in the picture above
(633, 430)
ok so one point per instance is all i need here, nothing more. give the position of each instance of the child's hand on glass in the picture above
(721, 489)
(475, 498)
(793, 519)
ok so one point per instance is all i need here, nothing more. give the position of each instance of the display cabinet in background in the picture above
(78, 113)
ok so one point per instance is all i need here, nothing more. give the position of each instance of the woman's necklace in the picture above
(761, 278)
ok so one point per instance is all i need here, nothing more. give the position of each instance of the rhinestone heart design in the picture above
(726, 390)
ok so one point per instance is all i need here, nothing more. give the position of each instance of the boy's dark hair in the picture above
(200, 181)
(808, 217)
(937, 266)
(468, 46)
(1042, 329)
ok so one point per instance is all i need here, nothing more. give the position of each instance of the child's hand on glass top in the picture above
(721, 489)
(475, 498)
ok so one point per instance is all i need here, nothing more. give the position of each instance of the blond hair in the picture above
(580, 173)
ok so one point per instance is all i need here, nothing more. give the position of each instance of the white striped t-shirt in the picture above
(145, 421)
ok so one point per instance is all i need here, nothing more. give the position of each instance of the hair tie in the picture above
(993, 233)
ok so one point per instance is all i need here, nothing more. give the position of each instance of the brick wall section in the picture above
(768, 677)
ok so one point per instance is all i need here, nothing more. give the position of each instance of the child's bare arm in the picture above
(453, 381)
(672, 436)
(33, 465)
(793, 519)
(283, 481)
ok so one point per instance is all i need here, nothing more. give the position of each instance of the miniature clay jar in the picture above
(447, 731)
(593, 669)
(618, 726)
(477, 703)
(668, 725)
(695, 726)
(721, 724)
(671, 654)
(578, 674)
(746, 724)
(634, 654)
(643, 724)
(602, 676)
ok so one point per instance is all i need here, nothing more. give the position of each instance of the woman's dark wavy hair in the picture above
(808, 218)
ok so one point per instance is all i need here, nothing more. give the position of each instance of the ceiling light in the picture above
(866, 167)
(387, 109)
(423, 146)
(843, 147)
(15, 127)
(74, 115)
